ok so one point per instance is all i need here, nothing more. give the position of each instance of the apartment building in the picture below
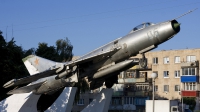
(178, 72)
(178, 76)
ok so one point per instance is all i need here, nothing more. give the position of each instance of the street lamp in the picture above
(153, 76)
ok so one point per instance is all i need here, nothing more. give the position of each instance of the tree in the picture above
(10, 63)
(61, 53)
(45, 51)
(28, 52)
(191, 101)
(64, 49)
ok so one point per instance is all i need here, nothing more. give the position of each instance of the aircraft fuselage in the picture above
(139, 41)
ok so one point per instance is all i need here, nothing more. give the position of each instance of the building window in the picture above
(177, 59)
(156, 88)
(121, 75)
(128, 100)
(80, 102)
(191, 58)
(188, 71)
(166, 74)
(177, 73)
(166, 88)
(116, 101)
(190, 86)
(155, 60)
(166, 60)
(177, 88)
(130, 74)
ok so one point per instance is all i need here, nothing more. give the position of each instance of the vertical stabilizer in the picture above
(36, 64)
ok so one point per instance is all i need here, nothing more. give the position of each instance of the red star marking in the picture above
(36, 61)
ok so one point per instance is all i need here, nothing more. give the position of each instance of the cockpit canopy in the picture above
(141, 26)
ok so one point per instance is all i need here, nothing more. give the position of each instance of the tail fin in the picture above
(36, 64)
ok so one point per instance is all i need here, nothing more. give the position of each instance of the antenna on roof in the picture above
(6, 32)
(12, 30)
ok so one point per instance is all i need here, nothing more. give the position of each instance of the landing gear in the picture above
(143, 61)
(111, 81)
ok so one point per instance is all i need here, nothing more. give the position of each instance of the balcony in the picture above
(138, 94)
(116, 107)
(190, 64)
(130, 80)
(190, 78)
(190, 93)
(127, 107)
(138, 67)
(149, 80)
(118, 93)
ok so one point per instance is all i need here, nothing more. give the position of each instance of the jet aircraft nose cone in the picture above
(176, 26)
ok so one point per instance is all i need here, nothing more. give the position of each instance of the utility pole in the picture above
(153, 75)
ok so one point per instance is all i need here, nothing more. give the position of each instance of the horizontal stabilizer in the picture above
(29, 79)
(25, 89)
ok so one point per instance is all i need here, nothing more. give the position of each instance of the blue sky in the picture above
(91, 24)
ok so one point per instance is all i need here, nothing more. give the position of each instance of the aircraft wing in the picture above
(94, 57)
(29, 79)
(84, 59)
(25, 89)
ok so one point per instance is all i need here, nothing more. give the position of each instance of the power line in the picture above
(158, 9)
(143, 5)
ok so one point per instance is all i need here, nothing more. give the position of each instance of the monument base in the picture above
(28, 102)
(101, 102)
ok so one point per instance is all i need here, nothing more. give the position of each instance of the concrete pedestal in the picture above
(101, 102)
(28, 102)
(64, 102)
(20, 103)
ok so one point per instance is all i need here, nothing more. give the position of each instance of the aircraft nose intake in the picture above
(176, 26)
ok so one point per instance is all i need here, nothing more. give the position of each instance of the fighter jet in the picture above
(100, 66)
